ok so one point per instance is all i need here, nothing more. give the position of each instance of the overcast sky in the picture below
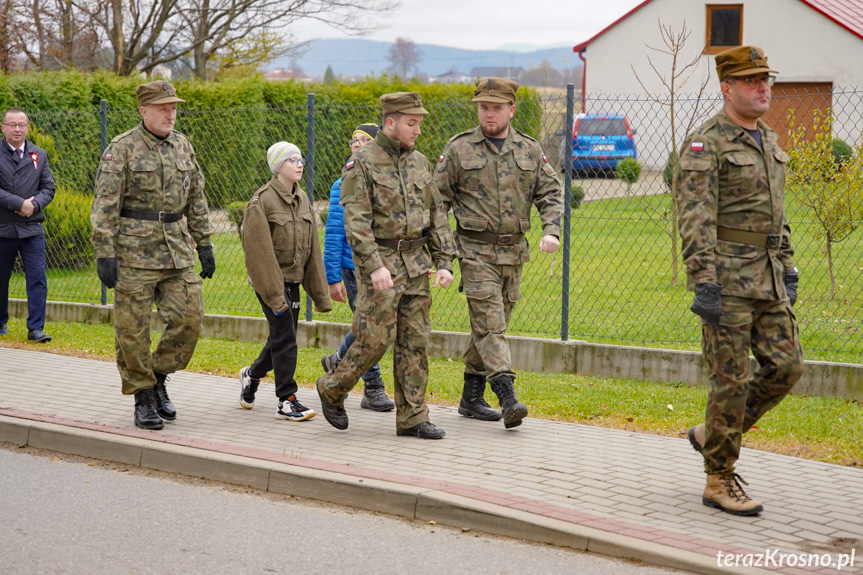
(490, 24)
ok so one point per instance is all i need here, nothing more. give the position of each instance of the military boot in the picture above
(145, 410)
(164, 405)
(375, 397)
(724, 492)
(513, 410)
(696, 437)
(473, 403)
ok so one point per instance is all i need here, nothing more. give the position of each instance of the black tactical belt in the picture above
(490, 238)
(164, 217)
(769, 241)
(402, 245)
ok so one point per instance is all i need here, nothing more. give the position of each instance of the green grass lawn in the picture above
(823, 429)
(620, 288)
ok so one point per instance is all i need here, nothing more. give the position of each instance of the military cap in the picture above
(742, 61)
(403, 102)
(498, 90)
(158, 92)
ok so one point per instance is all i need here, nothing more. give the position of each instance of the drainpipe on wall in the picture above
(583, 77)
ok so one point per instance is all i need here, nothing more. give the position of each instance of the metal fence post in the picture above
(567, 209)
(310, 174)
(103, 139)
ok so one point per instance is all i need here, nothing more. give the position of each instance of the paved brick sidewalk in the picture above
(644, 487)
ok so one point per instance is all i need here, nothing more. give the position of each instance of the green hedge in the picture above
(232, 122)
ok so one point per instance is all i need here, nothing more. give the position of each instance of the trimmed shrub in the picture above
(577, 196)
(67, 230)
(842, 152)
(628, 171)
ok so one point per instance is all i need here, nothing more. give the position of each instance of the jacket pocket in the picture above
(284, 235)
(473, 170)
(741, 175)
(473, 223)
(736, 265)
(385, 193)
(134, 227)
(144, 175)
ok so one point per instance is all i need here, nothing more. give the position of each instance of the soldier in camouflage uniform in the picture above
(491, 176)
(148, 210)
(737, 250)
(397, 230)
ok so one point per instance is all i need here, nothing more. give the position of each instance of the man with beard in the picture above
(491, 176)
(397, 229)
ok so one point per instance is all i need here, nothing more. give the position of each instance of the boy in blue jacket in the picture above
(339, 265)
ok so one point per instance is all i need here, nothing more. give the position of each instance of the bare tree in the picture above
(7, 22)
(215, 25)
(403, 56)
(141, 33)
(681, 71)
(54, 34)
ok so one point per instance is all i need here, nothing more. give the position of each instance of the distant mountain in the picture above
(532, 47)
(356, 57)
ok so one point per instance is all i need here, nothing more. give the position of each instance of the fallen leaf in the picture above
(670, 407)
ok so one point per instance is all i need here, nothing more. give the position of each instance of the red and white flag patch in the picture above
(109, 157)
(349, 165)
(544, 159)
(696, 146)
(440, 159)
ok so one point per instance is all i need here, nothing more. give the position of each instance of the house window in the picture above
(724, 27)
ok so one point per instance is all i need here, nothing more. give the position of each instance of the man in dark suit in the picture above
(26, 187)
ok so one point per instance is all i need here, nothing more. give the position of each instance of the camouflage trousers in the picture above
(180, 305)
(492, 291)
(738, 398)
(397, 317)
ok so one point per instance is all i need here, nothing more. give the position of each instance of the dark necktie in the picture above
(20, 153)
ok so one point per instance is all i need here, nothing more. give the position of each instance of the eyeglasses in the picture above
(755, 82)
(357, 141)
(296, 161)
(22, 125)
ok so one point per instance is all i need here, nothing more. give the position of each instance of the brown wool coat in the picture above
(280, 243)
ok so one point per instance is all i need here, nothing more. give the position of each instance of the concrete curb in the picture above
(412, 502)
(821, 378)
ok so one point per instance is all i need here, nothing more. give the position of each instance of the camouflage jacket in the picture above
(139, 171)
(387, 193)
(492, 191)
(725, 180)
(280, 242)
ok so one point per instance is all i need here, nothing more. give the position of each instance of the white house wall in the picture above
(802, 44)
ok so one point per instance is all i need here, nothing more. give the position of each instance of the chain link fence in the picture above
(619, 277)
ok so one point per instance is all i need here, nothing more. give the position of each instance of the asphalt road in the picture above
(67, 515)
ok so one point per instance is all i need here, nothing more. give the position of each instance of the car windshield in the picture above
(601, 127)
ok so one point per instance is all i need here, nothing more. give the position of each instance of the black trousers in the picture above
(280, 352)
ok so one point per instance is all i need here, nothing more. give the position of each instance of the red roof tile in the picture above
(846, 13)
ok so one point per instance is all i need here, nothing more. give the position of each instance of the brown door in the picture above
(801, 99)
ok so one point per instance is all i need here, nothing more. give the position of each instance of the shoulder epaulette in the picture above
(526, 137)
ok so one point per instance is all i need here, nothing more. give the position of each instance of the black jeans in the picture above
(280, 351)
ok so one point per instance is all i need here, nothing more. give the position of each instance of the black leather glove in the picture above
(792, 278)
(708, 302)
(208, 261)
(107, 269)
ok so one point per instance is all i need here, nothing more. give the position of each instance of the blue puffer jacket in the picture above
(337, 251)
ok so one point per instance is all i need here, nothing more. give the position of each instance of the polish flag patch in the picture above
(349, 165)
(544, 159)
(440, 159)
(696, 146)
(109, 157)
